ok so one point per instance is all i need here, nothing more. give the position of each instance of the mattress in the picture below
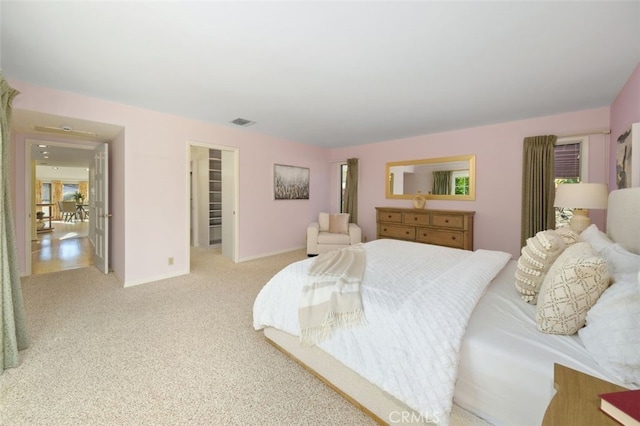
(506, 368)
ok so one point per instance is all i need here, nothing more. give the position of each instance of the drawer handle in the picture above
(389, 217)
(407, 232)
(415, 218)
(384, 229)
(446, 221)
(453, 238)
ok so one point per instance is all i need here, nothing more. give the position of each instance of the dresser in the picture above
(451, 228)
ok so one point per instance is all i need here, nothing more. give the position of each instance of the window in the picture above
(45, 193)
(68, 189)
(571, 166)
(343, 184)
(460, 181)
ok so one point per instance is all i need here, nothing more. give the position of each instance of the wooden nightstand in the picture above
(576, 401)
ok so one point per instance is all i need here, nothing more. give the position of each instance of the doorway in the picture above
(61, 239)
(213, 194)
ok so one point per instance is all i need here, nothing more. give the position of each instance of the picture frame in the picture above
(628, 158)
(290, 182)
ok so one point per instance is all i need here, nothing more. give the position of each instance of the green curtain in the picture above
(538, 187)
(442, 182)
(13, 328)
(351, 190)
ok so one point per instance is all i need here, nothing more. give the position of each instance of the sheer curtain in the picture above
(351, 190)
(538, 187)
(13, 330)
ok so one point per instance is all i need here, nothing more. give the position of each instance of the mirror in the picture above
(445, 178)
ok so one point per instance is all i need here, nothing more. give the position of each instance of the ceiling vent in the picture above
(243, 122)
(65, 130)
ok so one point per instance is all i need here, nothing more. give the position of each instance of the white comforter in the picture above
(417, 300)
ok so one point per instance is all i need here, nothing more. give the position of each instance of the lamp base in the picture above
(580, 220)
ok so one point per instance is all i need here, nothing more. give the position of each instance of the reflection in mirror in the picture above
(447, 178)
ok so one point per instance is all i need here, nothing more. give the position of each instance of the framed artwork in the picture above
(290, 182)
(628, 158)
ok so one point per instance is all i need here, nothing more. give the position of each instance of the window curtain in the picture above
(56, 195)
(538, 188)
(351, 190)
(13, 330)
(442, 182)
(38, 191)
(83, 188)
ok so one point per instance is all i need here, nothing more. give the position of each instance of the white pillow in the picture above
(612, 331)
(537, 257)
(572, 286)
(620, 260)
(323, 222)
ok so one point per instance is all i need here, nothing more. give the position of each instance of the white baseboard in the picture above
(260, 256)
(156, 278)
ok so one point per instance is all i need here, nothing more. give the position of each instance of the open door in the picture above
(100, 207)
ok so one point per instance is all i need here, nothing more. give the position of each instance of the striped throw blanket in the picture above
(331, 298)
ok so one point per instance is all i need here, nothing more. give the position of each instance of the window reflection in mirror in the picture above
(450, 178)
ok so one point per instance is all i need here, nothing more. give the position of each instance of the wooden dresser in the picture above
(451, 228)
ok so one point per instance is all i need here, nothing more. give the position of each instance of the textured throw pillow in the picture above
(536, 258)
(573, 285)
(568, 235)
(339, 223)
(612, 331)
(323, 222)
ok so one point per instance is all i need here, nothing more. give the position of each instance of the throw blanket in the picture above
(418, 299)
(332, 299)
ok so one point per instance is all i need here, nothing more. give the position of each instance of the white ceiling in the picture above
(330, 73)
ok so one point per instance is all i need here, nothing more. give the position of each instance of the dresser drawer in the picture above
(415, 219)
(440, 237)
(396, 231)
(448, 221)
(395, 217)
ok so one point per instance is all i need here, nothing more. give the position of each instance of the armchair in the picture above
(331, 232)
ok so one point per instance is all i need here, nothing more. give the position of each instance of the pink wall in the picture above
(625, 111)
(498, 150)
(149, 172)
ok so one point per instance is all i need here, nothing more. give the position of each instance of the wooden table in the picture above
(49, 205)
(576, 401)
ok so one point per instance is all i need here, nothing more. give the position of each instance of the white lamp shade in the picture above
(582, 195)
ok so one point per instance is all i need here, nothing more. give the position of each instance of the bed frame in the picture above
(623, 227)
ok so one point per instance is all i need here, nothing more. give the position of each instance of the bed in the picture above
(503, 365)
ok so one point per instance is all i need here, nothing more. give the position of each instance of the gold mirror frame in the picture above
(471, 159)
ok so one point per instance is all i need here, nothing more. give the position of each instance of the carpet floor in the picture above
(180, 351)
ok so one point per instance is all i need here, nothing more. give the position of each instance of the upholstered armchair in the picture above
(331, 232)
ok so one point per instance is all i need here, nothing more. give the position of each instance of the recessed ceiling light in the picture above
(44, 152)
(42, 146)
(55, 168)
(46, 156)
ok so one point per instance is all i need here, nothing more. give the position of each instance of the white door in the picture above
(100, 211)
(228, 203)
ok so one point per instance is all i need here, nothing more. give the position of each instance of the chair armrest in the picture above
(355, 233)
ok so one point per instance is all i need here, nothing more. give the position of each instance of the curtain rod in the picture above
(595, 132)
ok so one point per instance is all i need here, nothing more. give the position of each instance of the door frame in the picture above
(29, 206)
(187, 201)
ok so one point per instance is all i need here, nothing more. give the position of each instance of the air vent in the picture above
(65, 130)
(243, 122)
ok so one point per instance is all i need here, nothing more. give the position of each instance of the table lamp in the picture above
(580, 197)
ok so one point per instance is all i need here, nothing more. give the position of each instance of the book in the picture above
(624, 406)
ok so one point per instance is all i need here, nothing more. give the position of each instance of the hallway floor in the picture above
(66, 247)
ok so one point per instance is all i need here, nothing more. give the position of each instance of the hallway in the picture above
(66, 247)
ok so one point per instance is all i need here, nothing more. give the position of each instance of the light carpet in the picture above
(180, 351)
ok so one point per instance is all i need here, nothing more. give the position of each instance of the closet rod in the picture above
(595, 132)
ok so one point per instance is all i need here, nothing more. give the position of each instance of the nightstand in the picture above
(576, 401)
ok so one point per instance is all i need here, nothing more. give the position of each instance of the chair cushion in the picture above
(339, 223)
(332, 238)
(323, 222)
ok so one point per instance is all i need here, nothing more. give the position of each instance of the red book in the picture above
(624, 407)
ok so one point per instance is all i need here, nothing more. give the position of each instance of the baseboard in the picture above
(274, 253)
(133, 283)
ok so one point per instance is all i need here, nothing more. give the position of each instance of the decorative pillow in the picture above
(537, 257)
(339, 223)
(573, 285)
(620, 260)
(323, 222)
(568, 235)
(612, 331)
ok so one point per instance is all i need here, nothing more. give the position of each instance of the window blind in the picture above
(567, 161)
